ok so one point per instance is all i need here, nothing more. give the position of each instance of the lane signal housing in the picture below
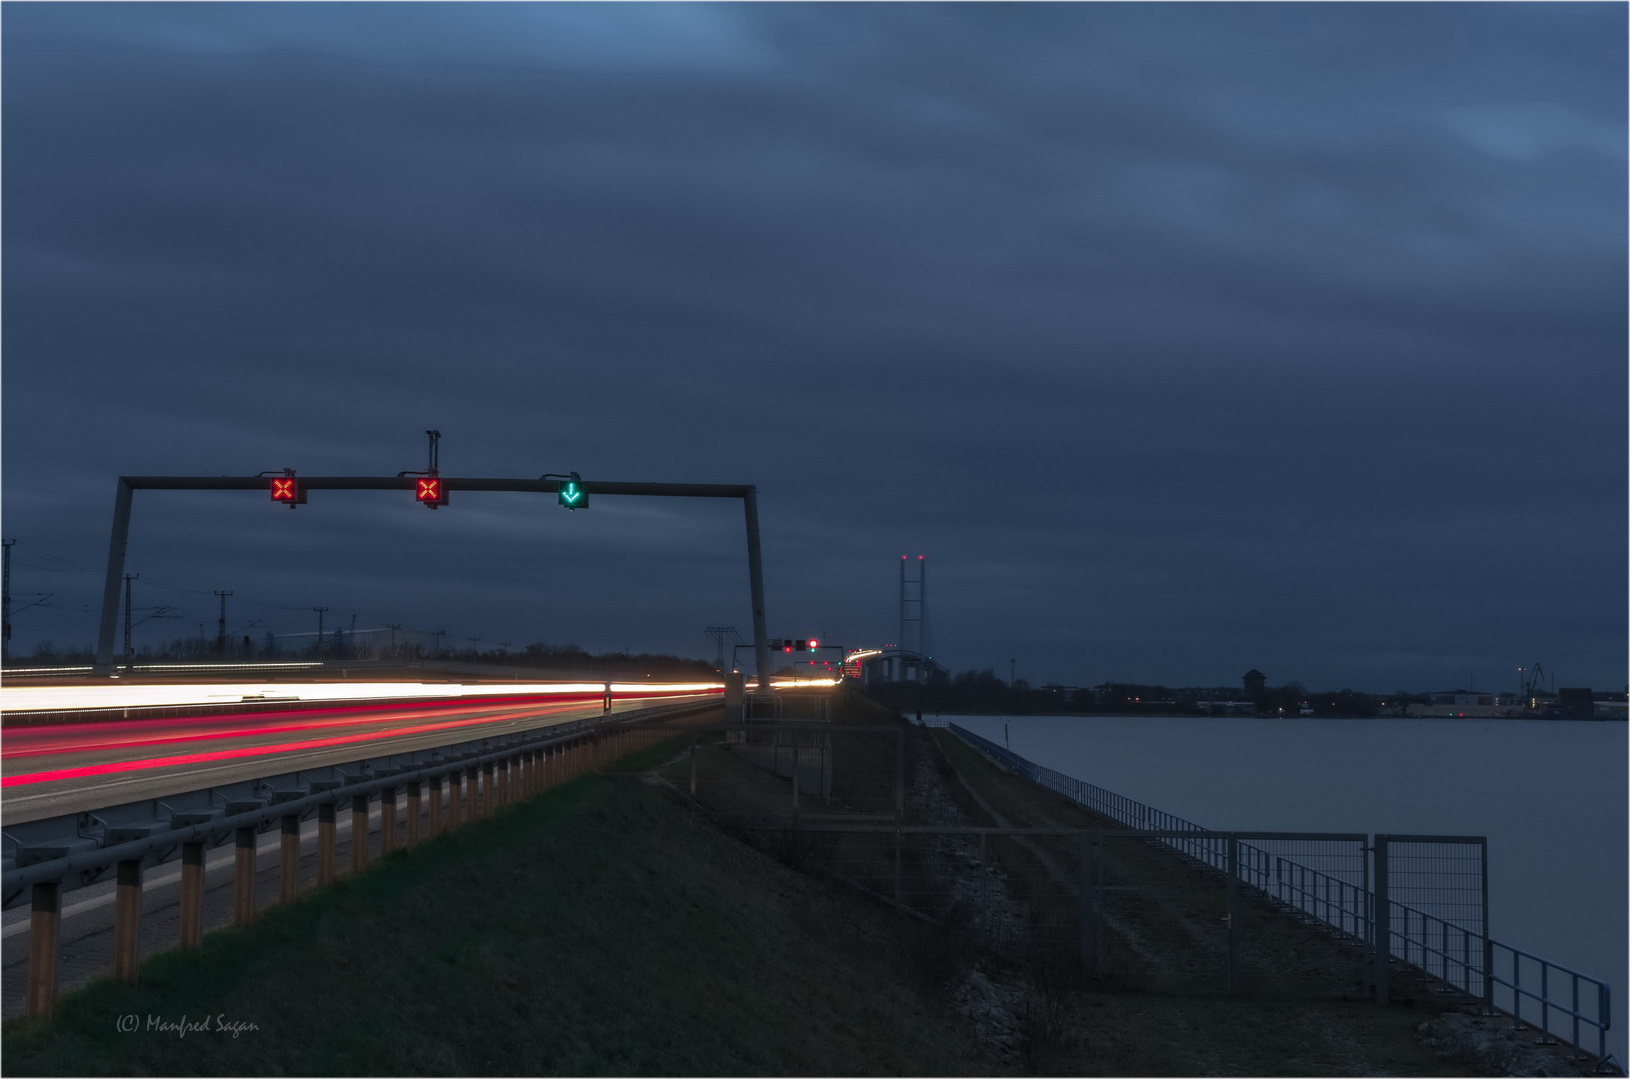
(570, 493)
(287, 490)
(430, 491)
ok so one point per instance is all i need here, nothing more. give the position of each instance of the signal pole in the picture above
(128, 578)
(5, 606)
(319, 648)
(220, 632)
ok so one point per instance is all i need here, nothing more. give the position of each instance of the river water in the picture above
(1551, 797)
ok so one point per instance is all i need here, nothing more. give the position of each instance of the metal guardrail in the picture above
(525, 764)
(1464, 958)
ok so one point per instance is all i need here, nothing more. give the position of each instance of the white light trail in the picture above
(75, 698)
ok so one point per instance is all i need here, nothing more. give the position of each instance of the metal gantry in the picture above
(128, 485)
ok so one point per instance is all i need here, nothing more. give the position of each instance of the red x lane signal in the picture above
(286, 489)
(429, 490)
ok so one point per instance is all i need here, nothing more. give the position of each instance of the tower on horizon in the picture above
(914, 632)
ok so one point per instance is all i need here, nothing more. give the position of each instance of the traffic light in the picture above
(813, 644)
(786, 645)
(800, 645)
(430, 491)
(286, 489)
(571, 494)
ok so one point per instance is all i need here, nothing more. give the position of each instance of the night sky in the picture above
(1181, 339)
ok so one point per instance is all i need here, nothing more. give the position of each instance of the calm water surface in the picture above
(1551, 797)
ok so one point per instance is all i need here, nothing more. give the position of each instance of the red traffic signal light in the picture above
(429, 491)
(813, 644)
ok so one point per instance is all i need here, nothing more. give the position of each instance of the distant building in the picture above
(1256, 687)
(1460, 702)
(1576, 703)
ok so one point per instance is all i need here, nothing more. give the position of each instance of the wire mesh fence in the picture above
(810, 771)
(1231, 920)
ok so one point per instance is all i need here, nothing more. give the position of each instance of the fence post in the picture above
(127, 921)
(897, 841)
(1089, 909)
(42, 948)
(1233, 913)
(1488, 938)
(1383, 924)
(899, 789)
(192, 894)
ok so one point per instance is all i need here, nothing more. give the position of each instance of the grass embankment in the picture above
(598, 929)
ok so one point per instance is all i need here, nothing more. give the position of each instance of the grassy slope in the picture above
(596, 930)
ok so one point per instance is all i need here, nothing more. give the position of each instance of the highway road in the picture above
(53, 769)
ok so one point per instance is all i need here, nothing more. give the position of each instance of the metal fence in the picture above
(1429, 913)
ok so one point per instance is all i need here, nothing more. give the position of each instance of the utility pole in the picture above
(128, 578)
(5, 606)
(220, 633)
(318, 650)
(439, 634)
(393, 627)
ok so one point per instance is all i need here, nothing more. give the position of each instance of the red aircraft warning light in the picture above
(430, 491)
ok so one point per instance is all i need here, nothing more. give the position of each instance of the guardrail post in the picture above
(434, 825)
(289, 860)
(489, 788)
(326, 844)
(387, 820)
(475, 810)
(43, 921)
(413, 811)
(1383, 924)
(455, 797)
(693, 770)
(127, 921)
(359, 832)
(243, 889)
(192, 894)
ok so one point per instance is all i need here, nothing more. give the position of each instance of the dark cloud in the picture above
(1183, 338)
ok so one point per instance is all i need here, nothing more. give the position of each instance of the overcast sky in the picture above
(1181, 339)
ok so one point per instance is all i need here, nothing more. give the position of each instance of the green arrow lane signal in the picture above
(571, 494)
